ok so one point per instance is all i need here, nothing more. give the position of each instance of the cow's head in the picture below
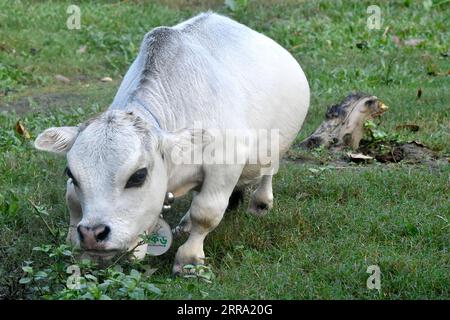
(117, 178)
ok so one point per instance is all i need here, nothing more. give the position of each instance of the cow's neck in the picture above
(148, 112)
(183, 178)
(153, 107)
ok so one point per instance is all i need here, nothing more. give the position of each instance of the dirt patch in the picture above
(43, 102)
(410, 152)
(414, 151)
(344, 162)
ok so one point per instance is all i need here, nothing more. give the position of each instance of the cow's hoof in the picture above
(187, 256)
(182, 270)
(259, 208)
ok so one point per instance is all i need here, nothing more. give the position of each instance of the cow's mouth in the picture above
(100, 254)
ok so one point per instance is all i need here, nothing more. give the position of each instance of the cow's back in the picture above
(217, 71)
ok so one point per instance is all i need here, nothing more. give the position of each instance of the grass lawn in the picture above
(327, 226)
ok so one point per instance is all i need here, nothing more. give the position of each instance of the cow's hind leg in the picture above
(262, 199)
(236, 198)
(206, 212)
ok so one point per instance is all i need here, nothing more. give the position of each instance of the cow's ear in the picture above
(57, 139)
(180, 146)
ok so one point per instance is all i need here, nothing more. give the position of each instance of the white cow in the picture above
(208, 70)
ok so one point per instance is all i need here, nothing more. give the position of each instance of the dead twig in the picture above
(39, 213)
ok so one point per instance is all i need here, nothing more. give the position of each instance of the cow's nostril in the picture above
(81, 231)
(262, 206)
(101, 232)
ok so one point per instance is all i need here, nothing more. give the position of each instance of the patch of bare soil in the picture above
(42, 102)
(410, 152)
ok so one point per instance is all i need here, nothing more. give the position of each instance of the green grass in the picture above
(326, 227)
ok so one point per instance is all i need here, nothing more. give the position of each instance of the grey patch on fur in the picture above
(160, 48)
(114, 119)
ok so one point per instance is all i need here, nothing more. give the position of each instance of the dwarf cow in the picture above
(189, 87)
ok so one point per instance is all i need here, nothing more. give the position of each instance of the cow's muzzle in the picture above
(93, 238)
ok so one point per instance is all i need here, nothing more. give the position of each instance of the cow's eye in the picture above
(70, 175)
(137, 179)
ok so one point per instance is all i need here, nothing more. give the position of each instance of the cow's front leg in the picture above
(206, 212)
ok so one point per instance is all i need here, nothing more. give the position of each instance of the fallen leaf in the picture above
(106, 79)
(61, 78)
(21, 130)
(357, 157)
